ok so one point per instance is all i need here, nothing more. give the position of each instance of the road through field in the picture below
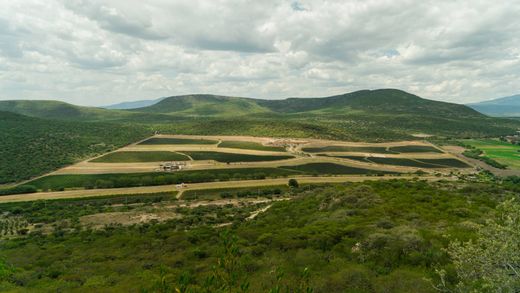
(194, 186)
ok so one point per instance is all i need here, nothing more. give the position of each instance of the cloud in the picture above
(100, 52)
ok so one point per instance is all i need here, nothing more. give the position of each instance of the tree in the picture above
(293, 183)
(491, 262)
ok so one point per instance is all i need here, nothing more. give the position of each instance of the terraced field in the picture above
(249, 146)
(231, 157)
(171, 140)
(136, 156)
(337, 148)
(414, 149)
(220, 159)
(333, 169)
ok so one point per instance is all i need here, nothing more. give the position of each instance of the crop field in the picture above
(230, 157)
(249, 146)
(208, 159)
(337, 148)
(503, 152)
(415, 149)
(453, 163)
(171, 140)
(420, 163)
(136, 156)
(89, 181)
(333, 169)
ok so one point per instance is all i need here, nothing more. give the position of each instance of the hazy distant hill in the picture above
(133, 104)
(501, 107)
(59, 110)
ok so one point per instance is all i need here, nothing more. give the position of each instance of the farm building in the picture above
(172, 166)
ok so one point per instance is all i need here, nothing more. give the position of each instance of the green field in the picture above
(136, 157)
(420, 163)
(333, 169)
(502, 152)
(230, 157)
(169, 140)
(415, 149)
(337, 148)
(249, 146)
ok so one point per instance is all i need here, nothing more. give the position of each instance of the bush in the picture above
(293, 183)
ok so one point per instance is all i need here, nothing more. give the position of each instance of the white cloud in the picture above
(101, 52)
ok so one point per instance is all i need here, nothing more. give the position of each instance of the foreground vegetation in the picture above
(386, 236)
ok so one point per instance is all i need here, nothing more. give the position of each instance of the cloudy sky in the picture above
(92, 52)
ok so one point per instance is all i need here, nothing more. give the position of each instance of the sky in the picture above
(91, 52)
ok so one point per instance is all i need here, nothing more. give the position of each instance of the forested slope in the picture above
(32, 146)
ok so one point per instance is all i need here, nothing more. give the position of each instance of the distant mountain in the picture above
(501, 107)
(133, 104)
(384, 101)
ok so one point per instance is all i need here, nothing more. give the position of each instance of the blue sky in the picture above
(93, 52)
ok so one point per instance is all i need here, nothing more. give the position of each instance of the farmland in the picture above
(229, 158)
(134, 157)
(502, 152)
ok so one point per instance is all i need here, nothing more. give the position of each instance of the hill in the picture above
(32, 146)
(368, 115)
(59, 110)
(383, 101)
(133, 105)
(501, 107)
(205, 105)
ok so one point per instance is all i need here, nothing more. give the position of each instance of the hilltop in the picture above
(373, 115)
(383, 101)
(501, 107)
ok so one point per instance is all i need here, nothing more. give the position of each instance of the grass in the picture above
(333, 169)
(415, 149)
(170, 140)
(136, 157)
(337, 148)
(249, 146)
(502, 152)
(229, 157)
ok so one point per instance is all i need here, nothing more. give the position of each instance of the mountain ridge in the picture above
(501, 107)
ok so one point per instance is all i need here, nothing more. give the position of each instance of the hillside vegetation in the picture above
(358, 237)
(374, 115)
(31, 146)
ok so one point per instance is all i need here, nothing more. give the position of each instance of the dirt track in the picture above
(195, 186)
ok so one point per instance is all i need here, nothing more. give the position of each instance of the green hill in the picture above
(384, 101)
(32, 146)
(374, 115)
(60, 110)
(205, 105)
